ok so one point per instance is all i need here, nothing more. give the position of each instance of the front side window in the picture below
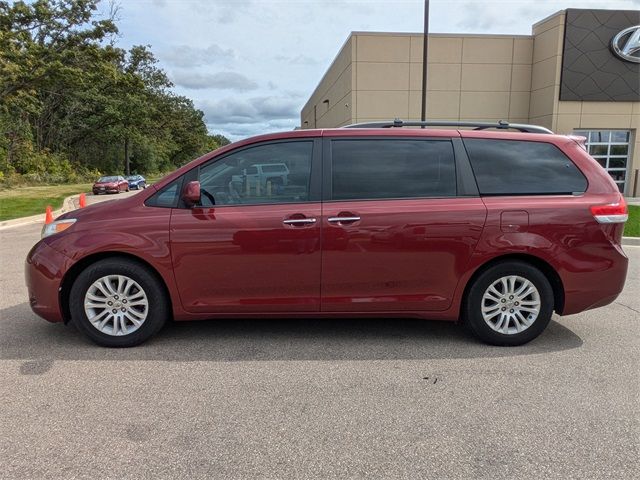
(392, 168)
(611, 149)
(236, 179)
(513, 167)
(167, 197)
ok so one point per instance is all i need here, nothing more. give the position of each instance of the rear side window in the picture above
(512, 167)
(392, 168)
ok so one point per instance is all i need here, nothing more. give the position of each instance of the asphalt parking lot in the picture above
(318, 398)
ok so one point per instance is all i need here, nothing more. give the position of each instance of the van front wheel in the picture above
(118, 302)
(509, 304)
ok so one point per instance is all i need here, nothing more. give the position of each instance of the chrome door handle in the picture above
(342, 219)
(299, 221)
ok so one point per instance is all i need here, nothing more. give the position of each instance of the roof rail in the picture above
(501, 125)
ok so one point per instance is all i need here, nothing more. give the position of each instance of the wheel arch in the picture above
(545, 267)
(75, 270)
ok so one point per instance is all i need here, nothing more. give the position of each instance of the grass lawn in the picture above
(632, 227)
(25, 201)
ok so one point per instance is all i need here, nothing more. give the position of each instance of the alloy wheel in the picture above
(116, 305)
(511, 304)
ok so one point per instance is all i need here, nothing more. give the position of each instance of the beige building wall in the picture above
(378, 76)
(330, 105)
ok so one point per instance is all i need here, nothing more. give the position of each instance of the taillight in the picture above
(611, 212)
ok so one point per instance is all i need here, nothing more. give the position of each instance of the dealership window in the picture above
(611, 148)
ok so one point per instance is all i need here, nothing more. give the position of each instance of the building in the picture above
(577, 72)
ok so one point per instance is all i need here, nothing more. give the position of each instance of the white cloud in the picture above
(220, 80)
(189, 56)
(249, 110)
(297, 59)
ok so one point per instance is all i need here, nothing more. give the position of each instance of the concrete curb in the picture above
(68, 205)
(631, 241)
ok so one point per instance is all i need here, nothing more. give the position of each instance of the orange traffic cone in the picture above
(48, 215)
(83, 200)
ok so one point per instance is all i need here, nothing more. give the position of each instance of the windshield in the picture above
(274, 168)
(107, 179)
(132, 177)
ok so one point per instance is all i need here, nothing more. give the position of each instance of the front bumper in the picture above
(98, 191)
(44, 269)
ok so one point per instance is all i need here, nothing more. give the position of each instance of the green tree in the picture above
(69, 97)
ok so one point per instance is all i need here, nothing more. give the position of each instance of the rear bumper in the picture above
(598, 286)
(44, 269)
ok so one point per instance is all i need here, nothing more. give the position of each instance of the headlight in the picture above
(57, 227)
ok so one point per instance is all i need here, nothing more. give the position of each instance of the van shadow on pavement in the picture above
(23, 336)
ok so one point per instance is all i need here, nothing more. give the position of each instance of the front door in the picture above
(395, 235)
(251, 245)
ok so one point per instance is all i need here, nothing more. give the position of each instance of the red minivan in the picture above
(494, 228)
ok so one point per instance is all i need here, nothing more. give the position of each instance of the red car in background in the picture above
(111, 184)
(492, 228)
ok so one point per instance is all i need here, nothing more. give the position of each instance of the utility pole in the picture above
(425, 45)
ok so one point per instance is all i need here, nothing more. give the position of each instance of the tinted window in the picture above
(393, 168)
(167, 197)
(235, 179)
(510, 167)
(274, 168)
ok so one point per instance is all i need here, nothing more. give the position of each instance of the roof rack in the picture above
(501, 125)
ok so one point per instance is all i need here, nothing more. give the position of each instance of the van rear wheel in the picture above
(509, 304)
(118, 302)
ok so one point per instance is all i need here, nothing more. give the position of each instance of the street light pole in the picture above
(425, 45)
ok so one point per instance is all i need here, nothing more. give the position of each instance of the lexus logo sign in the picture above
(626, 44)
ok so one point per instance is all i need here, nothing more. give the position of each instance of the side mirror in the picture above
(191, 193)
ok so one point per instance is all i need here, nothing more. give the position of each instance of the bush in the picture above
(44, 167)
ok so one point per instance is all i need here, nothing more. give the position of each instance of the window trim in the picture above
(315, 173)
(463, 187)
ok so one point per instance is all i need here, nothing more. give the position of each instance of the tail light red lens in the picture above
(611, 212)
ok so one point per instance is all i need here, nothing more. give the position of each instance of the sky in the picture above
(250, 65)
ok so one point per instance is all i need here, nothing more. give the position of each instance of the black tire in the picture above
(472, 314)
(158, 306)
